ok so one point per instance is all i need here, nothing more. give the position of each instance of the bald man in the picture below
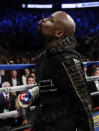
(67, 105)
(61, 63)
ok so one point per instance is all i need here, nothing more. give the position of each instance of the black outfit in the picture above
(95, 98)
(11, 107)
(19, 81)
(3, 102)
(91, 87)
(64, 107)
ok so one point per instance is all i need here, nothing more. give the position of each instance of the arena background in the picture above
(20, 44)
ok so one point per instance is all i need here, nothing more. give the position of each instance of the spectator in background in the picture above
(85, 69)
(33, 59)
(27, 61)
(18, 61)
(26, 73)
(91, 84)
(30, 79)
(14, 79)
(7, 103)
(23, 60)
(95, 98)
(96, 73)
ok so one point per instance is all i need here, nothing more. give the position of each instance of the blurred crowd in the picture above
(26, 22)
(17, 56)
(87, 46)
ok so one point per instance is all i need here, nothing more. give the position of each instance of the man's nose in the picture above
(44, 20)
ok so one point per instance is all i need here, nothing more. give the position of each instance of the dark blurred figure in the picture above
(96, 73)
(14, 79)
(2, 79)
(96, 54)
(25, 75)
(7, 103)
(91, 84)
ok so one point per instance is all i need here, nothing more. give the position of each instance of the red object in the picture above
(22, 96)
(7, 101)
(29, 129)
(96, 108)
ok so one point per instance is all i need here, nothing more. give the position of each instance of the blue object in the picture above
(96, 120)
(25, 97)
(16, 66)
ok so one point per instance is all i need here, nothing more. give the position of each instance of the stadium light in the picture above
(80, 5)
(41, 6)
(23, 5)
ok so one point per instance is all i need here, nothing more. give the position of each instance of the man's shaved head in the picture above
(57, 26)
(66, 22)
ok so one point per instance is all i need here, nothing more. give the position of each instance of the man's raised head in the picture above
(58, 25)
(65, 22)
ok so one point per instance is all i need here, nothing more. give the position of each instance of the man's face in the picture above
(6, 84)
(96, 73)
(14, 74)
(30, 81)
(48, 26)
(27, 71)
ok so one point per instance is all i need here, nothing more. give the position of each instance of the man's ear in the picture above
(59, 34)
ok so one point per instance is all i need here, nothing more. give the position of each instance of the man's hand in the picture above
(22, 103)
(17, 105)
(23, 100)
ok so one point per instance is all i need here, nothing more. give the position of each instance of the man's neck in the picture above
(51, 44)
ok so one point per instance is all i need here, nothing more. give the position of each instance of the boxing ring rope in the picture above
(16, 66)
(94, 93)
(17, 88)
(23, 66)
(13, 113)
(92, 78)
(91, 63)
(21, 88)
(26, 87)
